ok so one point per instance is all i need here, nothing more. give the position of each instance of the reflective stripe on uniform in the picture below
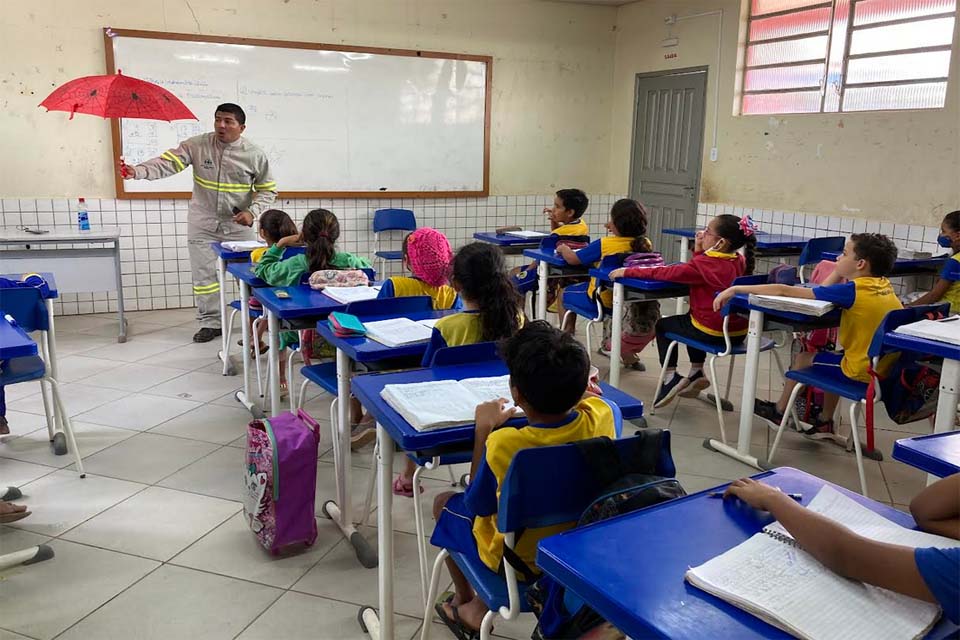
(174, 159)
(226, 187)
(207, 288)
(265, 186)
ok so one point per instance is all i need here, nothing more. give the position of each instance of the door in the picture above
(667, 151)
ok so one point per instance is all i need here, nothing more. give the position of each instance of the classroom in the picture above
(466, 319)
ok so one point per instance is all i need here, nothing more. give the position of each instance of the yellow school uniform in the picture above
(403, 287)
(574, 228)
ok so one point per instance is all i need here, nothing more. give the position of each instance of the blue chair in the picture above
(832, 380)
(717, 351)
(575, 299)
(397, 307)
(28, 308)
(477, 352)
(385, 220)
(813, 252)
(531, 498)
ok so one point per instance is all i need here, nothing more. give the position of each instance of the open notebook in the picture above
(794, 305)
(347, 295)
(444, 403)
(397, 332)
(775, 580)
(242, 245)
(946, 330)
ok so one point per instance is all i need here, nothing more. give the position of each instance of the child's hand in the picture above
(618, 273)
(492, 414)
(287, 241)
(756, 494)
(723, 297)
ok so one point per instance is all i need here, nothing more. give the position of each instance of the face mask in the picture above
(944, 241)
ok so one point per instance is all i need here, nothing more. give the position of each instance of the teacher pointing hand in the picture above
(231, 187)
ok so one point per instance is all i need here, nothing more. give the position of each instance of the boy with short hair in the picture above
(548, 379)
(865, 299)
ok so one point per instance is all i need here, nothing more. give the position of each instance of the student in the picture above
(947, 287)
(929, 574)
(427, 255)
(548, 378)
(319, 233)
(865, 298)
(714, 266)
(274, 224)
(492, 310)
(628, 224)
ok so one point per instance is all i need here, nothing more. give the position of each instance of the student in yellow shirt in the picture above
(947, 287)
(865, 299)
(548, 380)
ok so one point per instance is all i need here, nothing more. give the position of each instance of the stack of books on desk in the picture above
(346, 325)
(792, 305)
(946, 330)
(444, 403)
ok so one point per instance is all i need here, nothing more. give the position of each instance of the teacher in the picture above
(231, 187)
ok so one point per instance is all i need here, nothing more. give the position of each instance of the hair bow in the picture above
(748, 226)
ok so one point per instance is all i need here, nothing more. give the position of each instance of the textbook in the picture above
(347, 295)
(771, 577)
(444, 403)
(792, 305)
(243, 245)
(946, 330)
(398, 332)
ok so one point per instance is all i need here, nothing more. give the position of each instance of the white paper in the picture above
(947, 330)
(351, 294)
(429, 405)
(796, 305)
(527, 234)
(486, 389)
(242, 245)
(397, 332)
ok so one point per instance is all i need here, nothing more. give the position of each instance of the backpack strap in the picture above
(510, 557)
(602, 459)
(646, 452)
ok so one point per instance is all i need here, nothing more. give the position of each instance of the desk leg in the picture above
(341, 510)
(616, 330)
(742, 452)
(59, 437)
(684, 257)
(224, 347)
(381, 626)
(947, 403)
(542, 288)
(122, 337)
(244, 395)
(273, 361)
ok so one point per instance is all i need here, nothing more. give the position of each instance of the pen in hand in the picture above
(719, 494)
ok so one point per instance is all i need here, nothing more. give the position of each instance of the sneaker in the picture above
(635, 365)
(695, 384)
(206, 334)
(821, 430)
(768, 411)
(669, 391)
(362, 434)
(604, 348)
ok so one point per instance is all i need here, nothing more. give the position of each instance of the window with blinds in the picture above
(809, 56)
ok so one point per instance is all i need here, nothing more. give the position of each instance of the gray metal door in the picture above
(667, 151)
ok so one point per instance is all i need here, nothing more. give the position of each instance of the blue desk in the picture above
(46, 275)
(768, 244)
(392, 428)
(242, 271)
(938, 454)
(507, 243)
(949, 374)
(14, 342)
(549, 262)
(904, 267)
(638, 290)
(640, 588)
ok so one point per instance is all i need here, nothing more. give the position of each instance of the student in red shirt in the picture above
(714, 266)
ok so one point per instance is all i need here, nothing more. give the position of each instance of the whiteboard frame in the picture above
(110, 34)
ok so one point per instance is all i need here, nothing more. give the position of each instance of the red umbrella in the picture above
(117, 96)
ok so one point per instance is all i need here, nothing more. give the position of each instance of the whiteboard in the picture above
(333, 120)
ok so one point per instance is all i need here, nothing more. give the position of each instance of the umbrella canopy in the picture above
(117, 96)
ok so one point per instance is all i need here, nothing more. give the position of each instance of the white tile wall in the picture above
(153, 247)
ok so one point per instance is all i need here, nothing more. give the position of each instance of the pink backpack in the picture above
(280, 479)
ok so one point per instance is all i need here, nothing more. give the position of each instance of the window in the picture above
(829, 56)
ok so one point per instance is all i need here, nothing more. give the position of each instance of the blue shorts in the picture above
(454, 529)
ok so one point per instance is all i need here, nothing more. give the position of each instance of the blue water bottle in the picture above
(83, 218)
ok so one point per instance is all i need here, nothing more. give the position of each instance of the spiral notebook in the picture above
(771, 577)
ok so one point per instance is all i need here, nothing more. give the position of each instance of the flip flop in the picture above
(7, 518)
(456, 626)
(401, 488)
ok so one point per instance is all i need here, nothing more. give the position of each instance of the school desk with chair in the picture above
(769, 245)
(360, 350)
(550, 264)
(937, 453)
(640, 587)
(393, 428)
(905, 267)
(510, 244)
(243, 273)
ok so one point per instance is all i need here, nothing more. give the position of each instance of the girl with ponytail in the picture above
(714, 266)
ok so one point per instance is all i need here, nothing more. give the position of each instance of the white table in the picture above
(78, 269)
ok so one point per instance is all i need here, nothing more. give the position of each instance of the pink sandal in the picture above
(403, 487)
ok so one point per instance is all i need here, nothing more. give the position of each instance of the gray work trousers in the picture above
(203, 264)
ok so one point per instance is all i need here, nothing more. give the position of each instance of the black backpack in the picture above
(629, 483)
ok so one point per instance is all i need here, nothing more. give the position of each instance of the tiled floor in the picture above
(152, 544)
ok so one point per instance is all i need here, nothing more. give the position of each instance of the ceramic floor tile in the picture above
(14, 473)
(202, 387)
(327, 487)
(147, 457)
(22, 390)
(77, 398)
(904, 481)
(136, 376)
(78, 367)
(14, 540)
(62, 500)
(131, 351)
(173, 602)
(177, 335)
(210, 423)
(35, 446)
(21, 423)
(10, 635)
(216, 475)
(136, 329)
(188, 357)
(139, 411)
(69, 343)
(693, 483)
(54, 594)
(297, 616)
(156, 523)
(233, 550)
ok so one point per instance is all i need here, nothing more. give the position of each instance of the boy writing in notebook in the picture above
(865, 299)
(548, 380)
(929, 574)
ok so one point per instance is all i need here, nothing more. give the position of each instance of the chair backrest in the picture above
(900, 317)
(25, 305)
(813, 251)
(464, 354)
(551, 485)
(394, 220)
(760, 278)
(391, 306)
(549, 243)
(615, 261)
